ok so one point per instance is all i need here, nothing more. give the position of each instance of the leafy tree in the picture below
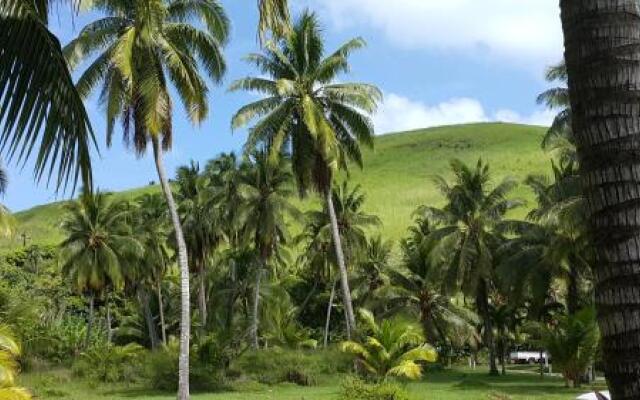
(468, 234)
(391, 348)
(372, 269)
(98, 246)
(266, 193)
(144, 47)
(559, 138)
(41, 106)
(320, 123)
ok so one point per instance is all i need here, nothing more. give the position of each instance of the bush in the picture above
(301, 367)
(110, 363)
(161, 369)
(356, 389)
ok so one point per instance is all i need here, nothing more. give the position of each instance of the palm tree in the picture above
(39, 101)
(392, 348)
(318, 234)
(143, 48)
(201, 221)
(9, 352)
(468, 234)
(416, 288)
(266, 192)
(321, 123)
(372, 269)
(151, 221)
(559, 137)
(599, 38)
(98, 247)
(7, 223)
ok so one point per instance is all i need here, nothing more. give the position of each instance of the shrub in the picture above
(356, 389)
(302, 367)
(110, 363)
(161, 369)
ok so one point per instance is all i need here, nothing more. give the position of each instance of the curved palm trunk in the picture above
(483, 306)
(602, 49)
(163, 327)
(344, 277)
(255, 317)
(185, 306)
(329, 308)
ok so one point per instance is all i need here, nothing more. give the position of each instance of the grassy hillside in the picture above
(397, 174)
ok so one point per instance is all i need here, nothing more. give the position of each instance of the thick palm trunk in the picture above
(483, 306)
(87, 339)
(255, 317)
(185, 305)
(342, 267)
(327, 324)
(602, 52)
(163, 327)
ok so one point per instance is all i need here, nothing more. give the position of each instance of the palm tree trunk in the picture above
(483, 305)
(109, 330)
(143, 298)
(202, 296)
(572, 291)
(163, 328)
(185, 304)
(344, 277)
(87, 338)
(329, 307)
(602, 49)
(255, 318)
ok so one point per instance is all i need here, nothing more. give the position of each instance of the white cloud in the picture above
(399, 113)
(515, 30)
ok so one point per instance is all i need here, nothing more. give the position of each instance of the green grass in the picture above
(397, 174)
(461, 384)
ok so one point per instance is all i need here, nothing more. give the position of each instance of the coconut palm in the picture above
(559, 137)
(143, 48)
(417, 287)
(468, 234)
(320, 123)
(200, 218)
(40, 105)
(391, 348)
(266, 192)
(7, 222)
(9, 351)
(98, 246)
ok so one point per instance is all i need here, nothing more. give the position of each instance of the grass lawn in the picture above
(460, 384)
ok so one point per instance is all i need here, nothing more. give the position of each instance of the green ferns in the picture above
(391, 348)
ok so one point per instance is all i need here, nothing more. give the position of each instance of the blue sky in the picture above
(438, 62)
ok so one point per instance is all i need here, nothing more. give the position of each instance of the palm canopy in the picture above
(141, 47)
(469, 229)
(9, 351)
(39, 105)
(320, 122)
(99, 245)
(265, 188)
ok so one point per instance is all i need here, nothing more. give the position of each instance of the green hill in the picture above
(397, 174)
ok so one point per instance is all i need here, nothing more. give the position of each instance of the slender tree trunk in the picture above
(185, 305)
(329, 308)
(255, 317)
(483, 305)
(202, 296)
(109, 330)
(344, 277)
(163, 328)
(602, 52)
(143, 298)
(87, 339)
(573, 295)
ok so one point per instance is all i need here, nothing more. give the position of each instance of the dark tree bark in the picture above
(143, 298)
(602, 52)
